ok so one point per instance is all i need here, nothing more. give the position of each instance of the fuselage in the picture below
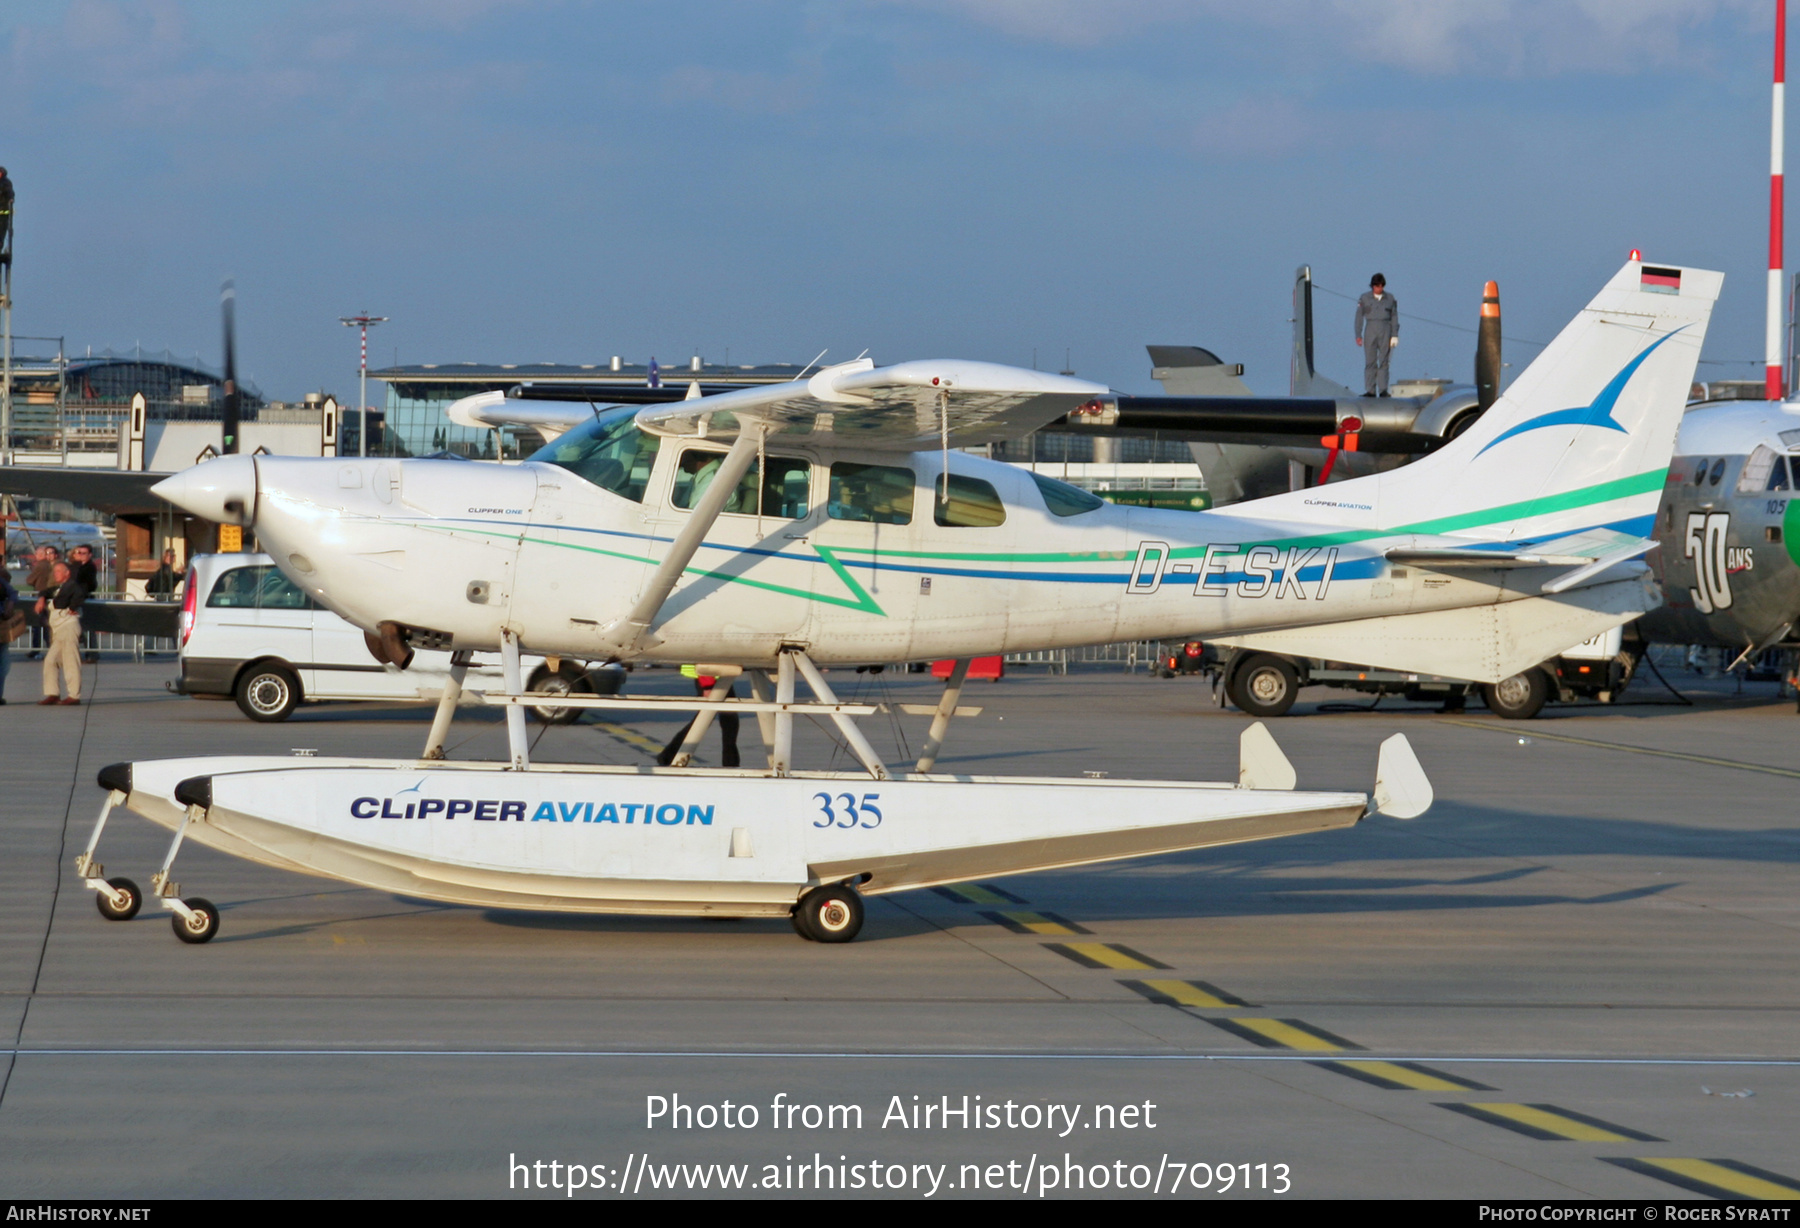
(1729, 528)
(852, 555)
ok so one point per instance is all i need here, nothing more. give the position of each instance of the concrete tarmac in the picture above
(1575, 978)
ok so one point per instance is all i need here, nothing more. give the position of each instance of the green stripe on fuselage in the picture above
(861, 600)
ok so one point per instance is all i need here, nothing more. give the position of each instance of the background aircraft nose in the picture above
(221, 490)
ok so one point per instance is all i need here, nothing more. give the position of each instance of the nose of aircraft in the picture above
(221, 490)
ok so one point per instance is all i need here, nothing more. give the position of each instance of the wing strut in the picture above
(624, 635)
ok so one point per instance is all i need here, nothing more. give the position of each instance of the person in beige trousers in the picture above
(61, 608)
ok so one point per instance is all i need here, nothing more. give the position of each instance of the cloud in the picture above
(1512, 38)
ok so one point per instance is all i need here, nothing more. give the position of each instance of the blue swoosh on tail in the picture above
(1599, 413)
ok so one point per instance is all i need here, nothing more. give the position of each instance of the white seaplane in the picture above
(772, 531)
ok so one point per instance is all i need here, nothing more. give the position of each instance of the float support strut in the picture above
(781, 762)
(703, 719)
(446, 709)
(940, 720)
(515, 714)
(763, 691)
(859, 745)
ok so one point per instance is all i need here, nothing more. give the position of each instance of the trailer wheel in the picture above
(1518, 698)
(267, 691)
(830, 914)
(567, 680)
(1264, 685)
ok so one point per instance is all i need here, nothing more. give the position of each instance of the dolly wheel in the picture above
(830, 914)
(124, 910)
(203, 925)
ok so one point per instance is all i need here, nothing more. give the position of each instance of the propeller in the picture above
(228, 310)
(1487, 349)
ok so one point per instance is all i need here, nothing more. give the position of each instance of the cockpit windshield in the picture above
(609, 451)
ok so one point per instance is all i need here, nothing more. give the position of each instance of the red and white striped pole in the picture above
(1772, 350)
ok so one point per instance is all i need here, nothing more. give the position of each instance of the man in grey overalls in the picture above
(1378, 332)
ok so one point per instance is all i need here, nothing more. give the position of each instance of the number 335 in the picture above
(856, 814)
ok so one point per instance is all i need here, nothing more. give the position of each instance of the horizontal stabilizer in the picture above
(1453, 556)
(1612, 558)
(1480, 644)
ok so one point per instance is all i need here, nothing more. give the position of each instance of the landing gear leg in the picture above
(195, 920)
(118, 898)
(446, 709)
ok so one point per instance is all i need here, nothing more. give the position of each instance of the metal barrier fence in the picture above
(1129, 655)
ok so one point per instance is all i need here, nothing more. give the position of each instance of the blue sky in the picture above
(558, 181)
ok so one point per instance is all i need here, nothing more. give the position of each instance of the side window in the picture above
(1699, 473)
(1762, 471)
(1065, 500)
(878, 494)
(236, 589)
(784, 488)
(970, 504)
(277, 592)
(1718, 471)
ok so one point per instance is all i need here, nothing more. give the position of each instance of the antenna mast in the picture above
(1772, 347)
(363, 322)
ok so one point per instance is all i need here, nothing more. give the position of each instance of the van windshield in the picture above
(609, 451)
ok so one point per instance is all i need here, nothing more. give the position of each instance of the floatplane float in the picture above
(778, 531)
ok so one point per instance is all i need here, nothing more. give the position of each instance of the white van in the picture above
(248, 632)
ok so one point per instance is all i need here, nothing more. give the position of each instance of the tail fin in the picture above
(1303, 381)
(1581, 439)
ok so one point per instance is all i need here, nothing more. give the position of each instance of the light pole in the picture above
(363, 322)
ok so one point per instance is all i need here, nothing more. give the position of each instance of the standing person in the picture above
(162, 585)
(62, 606)
(728, 724)
(9, 607)
(1378, 332)
(41, 581)
(87, 574)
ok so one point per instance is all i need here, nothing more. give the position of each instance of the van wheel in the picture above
(268, 692)
(1518, 698)
(1264, 685)
(569, 680)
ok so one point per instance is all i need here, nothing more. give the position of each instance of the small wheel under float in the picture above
(832, 913)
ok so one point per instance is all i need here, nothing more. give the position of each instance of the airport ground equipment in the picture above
(1265, 684)
(784, 529)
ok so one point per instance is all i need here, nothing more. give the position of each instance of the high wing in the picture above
(108, 490)
(904, 407)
